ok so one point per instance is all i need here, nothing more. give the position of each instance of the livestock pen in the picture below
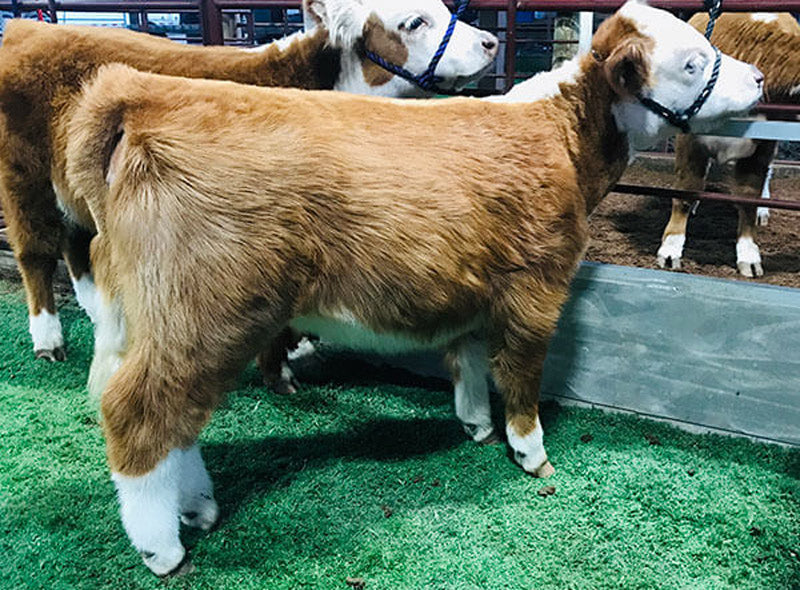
(364, 478)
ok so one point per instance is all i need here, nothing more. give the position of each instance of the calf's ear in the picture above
(627, 68)
(313, 14)
(344, 19)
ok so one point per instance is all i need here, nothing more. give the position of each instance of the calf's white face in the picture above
(421, 25)
(406, 33)
(679, 63)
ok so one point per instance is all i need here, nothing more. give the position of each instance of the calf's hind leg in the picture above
(521, 331)
(151, 418)
(752, 175)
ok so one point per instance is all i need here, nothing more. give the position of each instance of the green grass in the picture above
(305, 484)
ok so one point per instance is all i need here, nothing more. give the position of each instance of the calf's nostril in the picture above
(489, 44)
(759, 77)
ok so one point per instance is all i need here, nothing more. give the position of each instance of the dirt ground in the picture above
(626, 229)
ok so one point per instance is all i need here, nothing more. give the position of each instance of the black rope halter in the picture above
(426, 80)
(680, 119)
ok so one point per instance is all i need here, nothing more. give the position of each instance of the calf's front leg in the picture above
(273, 361)
(35, 232)
(691, 165)
(469, 367)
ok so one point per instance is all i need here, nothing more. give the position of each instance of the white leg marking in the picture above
(762, 213)
(197, 505)
(87, 295)
(45, 329)
(472, 390)
(529, 449)
(671, 250)
(109, 344)
(748, 258)
(149, 510)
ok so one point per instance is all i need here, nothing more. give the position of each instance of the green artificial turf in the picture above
(361, 477)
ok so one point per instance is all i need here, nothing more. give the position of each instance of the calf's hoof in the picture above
(169, 564)
(545, 470)
(670, 252)
(201, 513)
(282, 386)
(53, 355)
(669, 262)
(491, 439)
(750, 269)
(481, 433)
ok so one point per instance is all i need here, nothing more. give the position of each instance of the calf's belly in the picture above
(349, 333)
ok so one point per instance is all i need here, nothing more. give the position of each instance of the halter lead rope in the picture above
(680, 119)
(426, 80)
(714, 8)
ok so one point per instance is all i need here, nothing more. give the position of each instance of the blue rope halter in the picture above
(427, 80)
(680, 119)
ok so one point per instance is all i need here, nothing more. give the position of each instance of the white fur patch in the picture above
(282, 44)
(528, 449)
(764, 17)
(149, 507)
(672, 249)
(472, 390)
(543, 85)
(747, 251)
(795, 90)
(86, 295)
(45, 329)
(304, 348)
(110, 341)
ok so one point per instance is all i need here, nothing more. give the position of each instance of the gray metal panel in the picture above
(778, 130)
(714, 353)
(698, 352)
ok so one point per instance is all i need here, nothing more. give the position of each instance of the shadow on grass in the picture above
(255, 466)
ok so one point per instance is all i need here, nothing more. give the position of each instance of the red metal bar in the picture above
(210, 22)
(670, 193)
(782, 112)
(106, 5)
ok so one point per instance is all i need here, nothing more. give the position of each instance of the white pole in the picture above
(586, 22)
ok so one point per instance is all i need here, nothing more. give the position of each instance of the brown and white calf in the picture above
(450, 224)
(42, 67)
(771, 42)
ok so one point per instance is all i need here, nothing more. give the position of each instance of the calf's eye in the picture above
(415, 23)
